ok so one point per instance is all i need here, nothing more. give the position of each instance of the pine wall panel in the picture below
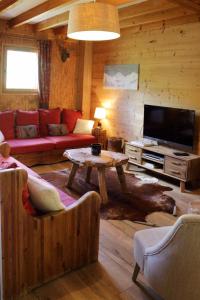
(169, 60)
(64, 75)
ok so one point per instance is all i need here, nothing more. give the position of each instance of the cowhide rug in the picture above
(141, 199)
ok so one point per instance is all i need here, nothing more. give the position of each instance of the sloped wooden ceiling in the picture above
(46, 14)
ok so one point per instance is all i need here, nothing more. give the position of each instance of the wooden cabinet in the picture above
(162, 160)
(101, 136)
(176, 167)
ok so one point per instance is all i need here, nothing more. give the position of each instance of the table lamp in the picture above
(100, 113)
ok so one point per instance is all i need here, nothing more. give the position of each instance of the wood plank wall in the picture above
(64, 87)
(64, 76)
(22, 37)
(169, 61)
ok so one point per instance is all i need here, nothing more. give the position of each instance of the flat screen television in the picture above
(169, 126)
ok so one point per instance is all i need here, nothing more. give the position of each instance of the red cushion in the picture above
(7, 122)
(48, 116)
(72, 140)
(10, 162)
(24, 117)
(26, 200)
(65, 198)
(20, 146)
(69, 117)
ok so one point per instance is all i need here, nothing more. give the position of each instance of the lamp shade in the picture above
(93, 22)
(100, 113)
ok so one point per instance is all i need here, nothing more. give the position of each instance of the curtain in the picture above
(44, 72)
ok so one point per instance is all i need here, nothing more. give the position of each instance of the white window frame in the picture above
(16, 91)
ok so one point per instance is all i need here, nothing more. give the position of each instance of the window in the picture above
(21, 70)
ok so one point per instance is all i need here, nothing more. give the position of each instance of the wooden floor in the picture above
(110, 278)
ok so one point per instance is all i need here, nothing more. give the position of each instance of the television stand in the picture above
(164, 161)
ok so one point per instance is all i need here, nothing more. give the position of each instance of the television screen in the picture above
(172, 126)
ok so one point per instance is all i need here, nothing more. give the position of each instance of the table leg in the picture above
(72, 175)
(102, 185)
(89, 170)
(122, 178)
(182, 186)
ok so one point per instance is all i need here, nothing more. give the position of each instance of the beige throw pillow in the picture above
(83, 126)
(44, 196)
(2, 138)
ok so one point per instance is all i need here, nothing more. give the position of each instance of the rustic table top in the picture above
(83, 157)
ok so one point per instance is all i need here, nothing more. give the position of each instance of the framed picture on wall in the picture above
(121, 77)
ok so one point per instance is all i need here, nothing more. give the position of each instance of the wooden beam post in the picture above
(85, 78)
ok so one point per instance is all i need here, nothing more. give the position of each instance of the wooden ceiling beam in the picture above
(37, 11)
(155, 17)
(149, 6)
(5, 4)
(62, 19)
(139, 9)
(56, 21)
(193, 5)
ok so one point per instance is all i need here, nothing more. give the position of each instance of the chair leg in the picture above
(135, 273)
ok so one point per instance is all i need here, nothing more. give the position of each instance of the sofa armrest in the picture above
(5, 149)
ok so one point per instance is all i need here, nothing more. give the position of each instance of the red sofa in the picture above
(44, 149)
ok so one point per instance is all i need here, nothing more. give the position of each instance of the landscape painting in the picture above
(121, 76)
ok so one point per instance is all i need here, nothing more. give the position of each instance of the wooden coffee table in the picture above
(82, 157)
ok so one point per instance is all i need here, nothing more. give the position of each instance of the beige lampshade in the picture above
(93, 22)
(100, 113)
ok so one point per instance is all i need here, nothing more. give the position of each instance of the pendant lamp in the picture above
(93, 22)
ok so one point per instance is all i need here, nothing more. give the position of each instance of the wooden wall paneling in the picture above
(24, 37)
(192, 4)
(150, 6)
(169, 60)
(85, 78)
(155, 17)
(64, 75)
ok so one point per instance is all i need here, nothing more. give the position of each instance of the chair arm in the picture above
(184, 219)
(5, 149)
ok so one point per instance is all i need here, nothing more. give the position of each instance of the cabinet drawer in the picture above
(135, 159)
(133, 151)
(176, 167)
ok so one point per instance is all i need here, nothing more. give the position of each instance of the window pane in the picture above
(22, 70)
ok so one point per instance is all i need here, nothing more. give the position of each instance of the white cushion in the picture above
(83, 126)
(2, 138)
(44, 196)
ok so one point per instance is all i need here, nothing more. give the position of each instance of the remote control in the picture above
(181, 153)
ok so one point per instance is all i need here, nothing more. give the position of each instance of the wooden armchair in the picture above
(35, 250)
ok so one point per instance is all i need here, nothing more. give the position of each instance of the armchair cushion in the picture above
(146, 238)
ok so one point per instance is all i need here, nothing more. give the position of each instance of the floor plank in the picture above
(110, 278)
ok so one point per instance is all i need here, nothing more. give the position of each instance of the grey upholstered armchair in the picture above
(169, 258)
